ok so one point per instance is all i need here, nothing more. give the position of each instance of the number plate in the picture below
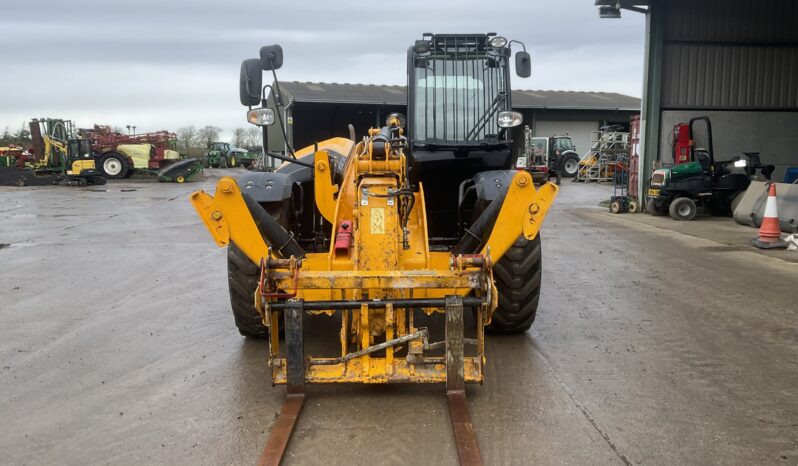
(653, 192)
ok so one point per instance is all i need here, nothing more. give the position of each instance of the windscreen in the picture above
(459, 89)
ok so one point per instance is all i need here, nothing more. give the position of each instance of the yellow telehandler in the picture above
(402, 237)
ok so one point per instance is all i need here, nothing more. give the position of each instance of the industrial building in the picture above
(735, 61)
(317, 111)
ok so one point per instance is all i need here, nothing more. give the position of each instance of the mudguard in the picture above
(277, 185)
(493, 184)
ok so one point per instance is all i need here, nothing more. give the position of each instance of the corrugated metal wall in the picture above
(731, 54)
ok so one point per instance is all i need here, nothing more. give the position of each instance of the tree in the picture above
(207, 135)
(239, 137)
(253, 137)
(186, 138)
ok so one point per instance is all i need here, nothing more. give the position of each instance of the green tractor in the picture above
(224, 155)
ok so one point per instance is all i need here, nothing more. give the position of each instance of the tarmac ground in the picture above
(656, 342)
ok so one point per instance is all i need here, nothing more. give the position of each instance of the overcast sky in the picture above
(161, 64)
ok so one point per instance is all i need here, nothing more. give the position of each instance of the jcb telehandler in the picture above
(401, 237)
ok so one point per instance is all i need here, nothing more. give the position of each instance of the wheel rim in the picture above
(180, 179)
(232, 161)
(112, 167)
(571, 166)
(684, 210)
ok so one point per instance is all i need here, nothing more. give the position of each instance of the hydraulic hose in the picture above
(280, 241)
(476, 235)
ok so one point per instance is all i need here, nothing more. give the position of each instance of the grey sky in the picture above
(166, 64)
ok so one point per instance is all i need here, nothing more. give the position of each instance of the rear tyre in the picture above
(570, 165)
(222, 162)
(517, 276)
(634, 207)
(242, 278)
(683, 208)
(114, 165)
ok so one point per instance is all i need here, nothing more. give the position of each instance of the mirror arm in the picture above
(518, 42)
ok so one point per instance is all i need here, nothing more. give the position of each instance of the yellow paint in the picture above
(380, 266)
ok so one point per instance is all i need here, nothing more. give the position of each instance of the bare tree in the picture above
(186, 138)
(239, 137)
(254, 137)
(208, 134)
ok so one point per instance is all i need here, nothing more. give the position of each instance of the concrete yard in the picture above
(656, 343)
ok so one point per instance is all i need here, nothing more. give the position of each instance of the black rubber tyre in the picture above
(570, 165)
(223, 162)
(517, 277)
(206, 163)
(683, 208)
(114, 165)
(651, 208)
(242, 278)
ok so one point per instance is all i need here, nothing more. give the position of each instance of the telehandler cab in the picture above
(395, 236)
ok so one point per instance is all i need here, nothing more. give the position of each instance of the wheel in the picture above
(615, 207)
(736, 201)
(233, 161)
(633, 206)
(682, 208)
(206, 163)
(180, 179)
(113, 165)
(223, 162)
(242, 278)
(82, 182)
(652, 209)
(517, 276)
(98, 180)
(570, 165)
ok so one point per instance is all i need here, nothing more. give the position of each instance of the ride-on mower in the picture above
(700, 181)
(401, 238)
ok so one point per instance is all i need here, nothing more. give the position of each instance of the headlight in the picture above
(498, 42)
(261, 116)
(740, 163)
(508, 119)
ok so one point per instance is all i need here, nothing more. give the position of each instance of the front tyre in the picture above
(517, 275)
(242, 278)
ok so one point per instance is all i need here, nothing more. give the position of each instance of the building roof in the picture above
(373, 94)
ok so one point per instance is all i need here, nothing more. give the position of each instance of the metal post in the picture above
(295, 398)
(463, 427)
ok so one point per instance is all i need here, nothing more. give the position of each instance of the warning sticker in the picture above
(377, 221)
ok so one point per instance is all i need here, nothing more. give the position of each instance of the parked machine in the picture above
(224, 155)
(119, 155)
(702, 183)
(398, 234)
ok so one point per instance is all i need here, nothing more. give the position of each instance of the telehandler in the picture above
(402, 237)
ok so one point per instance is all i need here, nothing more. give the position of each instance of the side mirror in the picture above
(523, 64)
(271, 57)
(250, 83)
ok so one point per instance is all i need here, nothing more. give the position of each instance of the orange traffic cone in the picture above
(770, 231)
